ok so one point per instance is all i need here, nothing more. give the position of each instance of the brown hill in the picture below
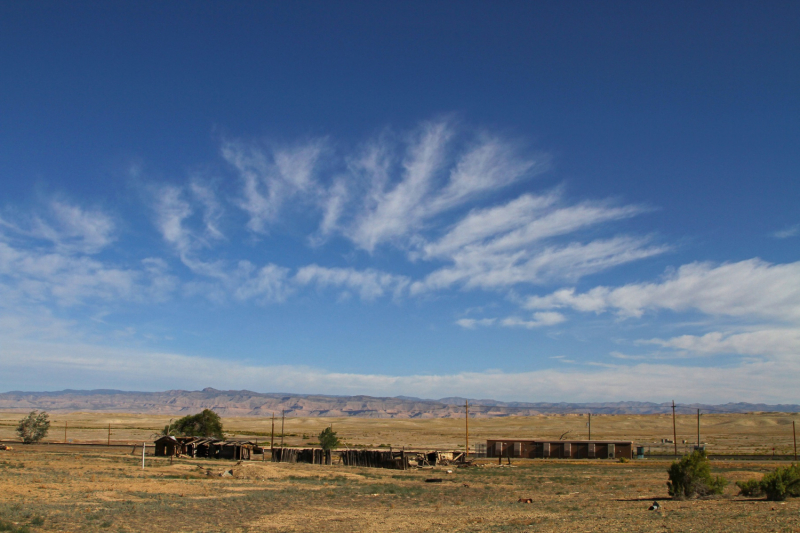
(248, 403)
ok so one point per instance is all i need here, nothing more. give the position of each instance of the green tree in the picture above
(691, 476)
(33, 427)
(328, 439)
(205, 424)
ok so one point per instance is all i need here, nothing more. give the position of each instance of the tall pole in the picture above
(109, 435)
(590, 426)
(272, 440)
(794, 435)
(466, 448)
(674, 430)
(65, 432)
(698, 429)
(144, 445)
(283, 417)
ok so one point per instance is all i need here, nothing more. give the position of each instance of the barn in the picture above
(559, 449)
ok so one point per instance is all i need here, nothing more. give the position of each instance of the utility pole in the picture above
(794, 436)
(144, 445)
(65, 432)
(698, 429)
(466, 448)
(674, 431)
(272, 439)
(283, 417)
(590, 426)
(109, 435)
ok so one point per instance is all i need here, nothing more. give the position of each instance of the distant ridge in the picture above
(248, 403)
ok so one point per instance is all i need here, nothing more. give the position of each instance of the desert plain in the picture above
(85, 486)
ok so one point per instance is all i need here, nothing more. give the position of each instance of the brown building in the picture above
(169, 445)
(205, 447)
(559, 449)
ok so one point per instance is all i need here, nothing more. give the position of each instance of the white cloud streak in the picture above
(478, 268)
(40, 276)
(768, 342)
(542, 319)
(370, 284)
(539, 320)
(69, 228)
(791, 231)
(752, 288)
(273, 175)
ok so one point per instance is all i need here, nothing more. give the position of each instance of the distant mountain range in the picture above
(248, 403)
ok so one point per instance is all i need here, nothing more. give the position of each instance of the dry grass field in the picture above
(723, 433)
(74, 488)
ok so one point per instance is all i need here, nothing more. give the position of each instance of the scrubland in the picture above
(51, 487)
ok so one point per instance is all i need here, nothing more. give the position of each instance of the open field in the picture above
(755, 433)
(54, 488)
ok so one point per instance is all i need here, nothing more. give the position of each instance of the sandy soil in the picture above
(56, 488)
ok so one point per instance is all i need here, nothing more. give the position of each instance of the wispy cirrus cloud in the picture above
(68, 228)
(272, 176)
(408, 192)
(751, 288)
(763, 342)
(32, 275)
(369, 283)
(791, 231)
(392, 188)
(175, 207)
(50, 257)
(475, 267)
(546, 318)
(538, 320)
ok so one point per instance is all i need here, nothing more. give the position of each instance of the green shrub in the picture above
(777, 485)
(11, 528)
(691, 476)
(751, 488)
(782, 483)
(328, 439)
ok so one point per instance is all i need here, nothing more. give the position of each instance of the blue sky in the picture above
(548, 201)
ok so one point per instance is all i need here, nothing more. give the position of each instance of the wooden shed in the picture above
(167, 445)
(235, 450)
(559, 449)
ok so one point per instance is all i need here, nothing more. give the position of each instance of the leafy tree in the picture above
(328, 439)
(691, 476)
(205, 424)
(33, 427)
(777, 485)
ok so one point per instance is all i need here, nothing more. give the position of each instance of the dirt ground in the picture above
(60, 488)
(52, 487)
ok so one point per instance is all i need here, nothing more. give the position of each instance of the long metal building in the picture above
(559, 449)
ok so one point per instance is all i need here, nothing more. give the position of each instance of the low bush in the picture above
(777, 485)
(691, 476)
(751, 489)
(782, 483)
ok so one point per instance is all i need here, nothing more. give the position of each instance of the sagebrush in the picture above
(777, 485)
(691, 476)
